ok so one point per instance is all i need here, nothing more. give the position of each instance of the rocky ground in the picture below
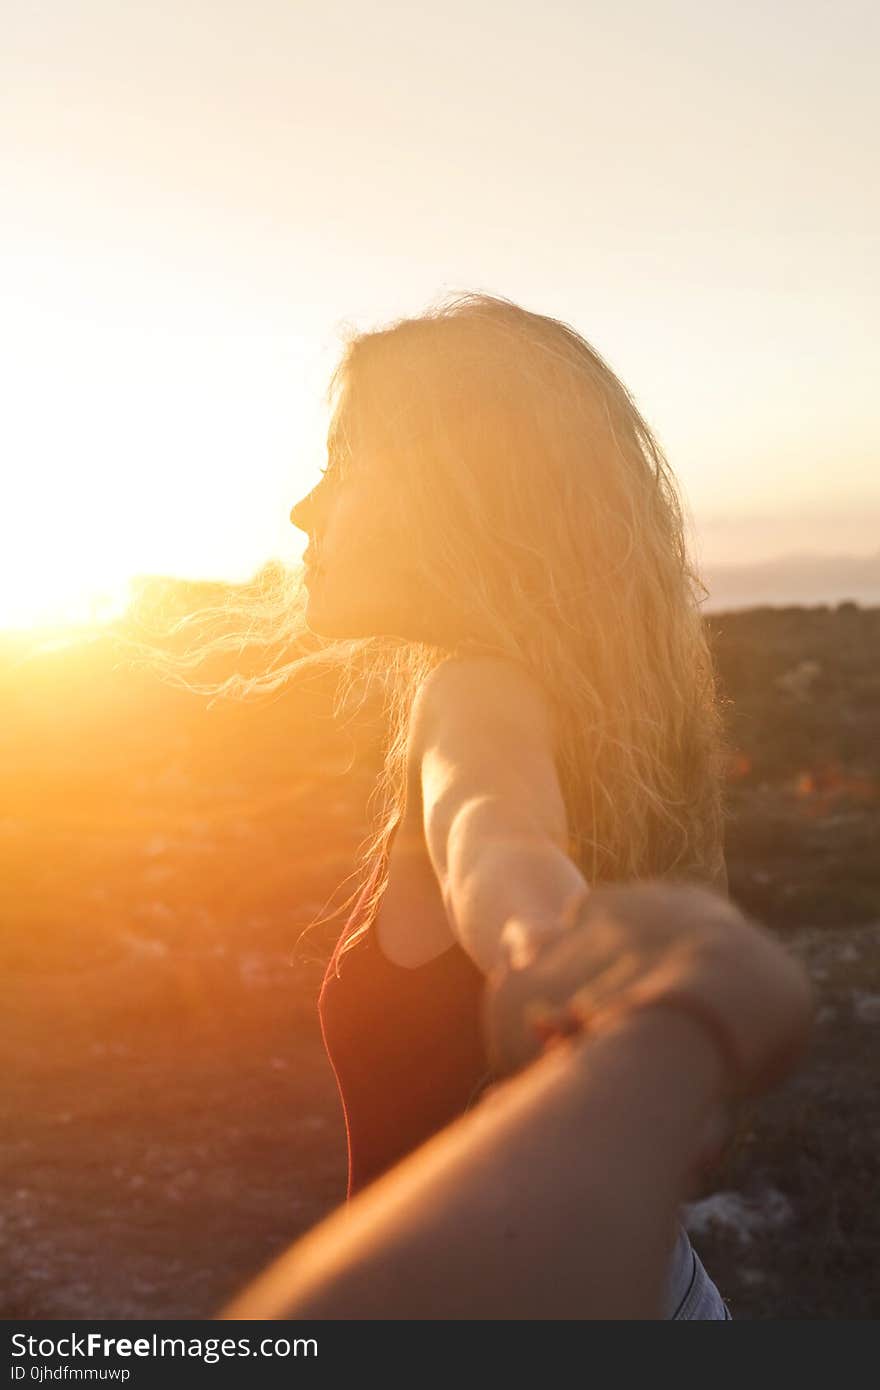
(168, 1120)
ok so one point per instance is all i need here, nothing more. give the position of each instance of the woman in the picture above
(498, 522)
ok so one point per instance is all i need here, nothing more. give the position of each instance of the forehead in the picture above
(338, 429)
(343, 431)
(354, 439)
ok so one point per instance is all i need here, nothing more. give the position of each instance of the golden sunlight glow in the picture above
(177, 256)
(44, 606)
(140, 442)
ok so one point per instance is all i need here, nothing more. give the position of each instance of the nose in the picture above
(300, 513)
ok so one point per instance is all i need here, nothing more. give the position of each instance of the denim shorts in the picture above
(690, 1293)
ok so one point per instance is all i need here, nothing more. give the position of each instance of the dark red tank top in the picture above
(406, 1046)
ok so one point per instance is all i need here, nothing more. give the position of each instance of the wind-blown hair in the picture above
(549, 518)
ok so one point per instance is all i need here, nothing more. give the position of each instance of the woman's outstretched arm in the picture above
(492, 816)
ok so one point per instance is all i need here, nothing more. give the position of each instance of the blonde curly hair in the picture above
(551, 520)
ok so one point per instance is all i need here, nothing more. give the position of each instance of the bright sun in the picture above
(141, 440)
(43, 605)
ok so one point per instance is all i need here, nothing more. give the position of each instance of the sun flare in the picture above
(45, 605)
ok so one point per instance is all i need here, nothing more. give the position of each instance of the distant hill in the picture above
(794, 579)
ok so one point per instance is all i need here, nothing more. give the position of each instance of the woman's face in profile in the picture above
(364, 574)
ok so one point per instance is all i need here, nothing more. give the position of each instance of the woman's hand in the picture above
(654, 944)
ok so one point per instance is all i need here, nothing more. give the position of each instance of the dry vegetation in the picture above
(169, 1119)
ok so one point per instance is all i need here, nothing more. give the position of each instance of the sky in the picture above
(199, 195)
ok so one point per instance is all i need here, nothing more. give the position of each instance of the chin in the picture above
(326, 617)
(326, 621)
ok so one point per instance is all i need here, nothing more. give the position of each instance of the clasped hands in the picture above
(652, 944)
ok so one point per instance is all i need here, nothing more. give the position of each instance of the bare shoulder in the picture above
(481, 728)
(485, 692)
(482, 759)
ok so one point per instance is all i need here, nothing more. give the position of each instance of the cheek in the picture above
(369, 541)
(375, 534)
